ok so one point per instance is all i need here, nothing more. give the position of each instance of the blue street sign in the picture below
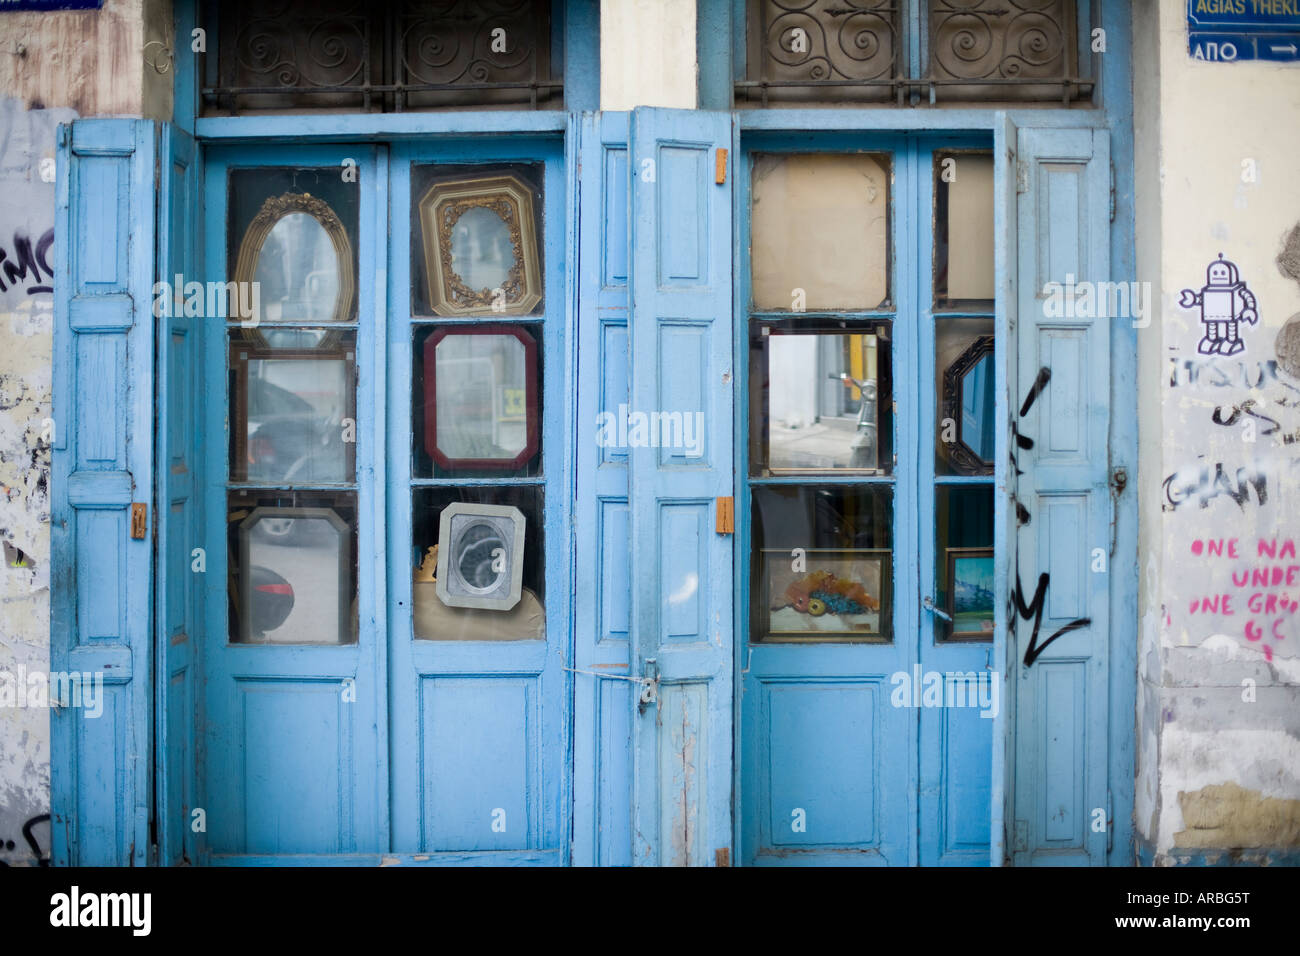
(1226, 31)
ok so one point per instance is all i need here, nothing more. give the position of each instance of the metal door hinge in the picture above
(1022, 176)
(720, 166)
(1112, 191)
(722, 856)
(139, 520)
(1110, 822)
(1022, 836)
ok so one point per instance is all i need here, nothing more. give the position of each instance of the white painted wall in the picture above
(647, 54)
(1217, 762)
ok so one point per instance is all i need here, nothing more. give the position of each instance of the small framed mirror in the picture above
(969, 400)
(481, 397)
(480, 246)
(297, 251)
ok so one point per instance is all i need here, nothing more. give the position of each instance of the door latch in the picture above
(139, 520)
(649, 685)
(930, 606)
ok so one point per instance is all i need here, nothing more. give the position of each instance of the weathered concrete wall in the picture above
(26, 326)
(53, 67)
(1219, 702)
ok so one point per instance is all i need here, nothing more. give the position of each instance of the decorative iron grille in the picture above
(806, 46)
(1029, 44)
(378, 56)
(864, 50)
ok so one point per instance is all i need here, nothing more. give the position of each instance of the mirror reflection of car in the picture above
(289, 441)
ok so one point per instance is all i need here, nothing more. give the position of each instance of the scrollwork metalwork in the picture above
(1001, 39)
(813, 42)
(389, 56)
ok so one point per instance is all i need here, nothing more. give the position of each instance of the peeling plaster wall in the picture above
(98, 62)
(26, 331)
(1219, 662)
(53, 67)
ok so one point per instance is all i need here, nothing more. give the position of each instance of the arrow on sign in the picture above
(1278, 49)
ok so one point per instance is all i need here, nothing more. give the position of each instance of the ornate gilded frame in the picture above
(276, 208)
(441, 208)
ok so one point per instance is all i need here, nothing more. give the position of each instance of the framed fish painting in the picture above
(829, 595)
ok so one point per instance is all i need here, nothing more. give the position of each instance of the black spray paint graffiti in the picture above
(1203, 487)
(27, 260)
(1024, 442)
(38, 856)
(1034, 609)
(1235, 413)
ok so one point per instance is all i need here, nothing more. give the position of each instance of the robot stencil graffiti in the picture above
(1225, 303)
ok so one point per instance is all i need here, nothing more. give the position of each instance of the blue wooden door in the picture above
(873, 338)
(295, 717)
(681, 380)
(479, 697)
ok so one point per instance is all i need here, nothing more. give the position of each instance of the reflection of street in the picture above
(823, 445)
(311, 566)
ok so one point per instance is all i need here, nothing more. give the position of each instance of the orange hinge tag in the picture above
(139, 520)
(720, 167)
(725, 520)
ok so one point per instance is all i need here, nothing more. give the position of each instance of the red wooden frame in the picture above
(530, 397)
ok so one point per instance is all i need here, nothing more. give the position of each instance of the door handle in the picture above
(929, 605)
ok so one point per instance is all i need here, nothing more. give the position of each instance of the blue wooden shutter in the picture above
(682, 605)
(1060, 634)
(101, 611)
(603, 705)
(179, 367)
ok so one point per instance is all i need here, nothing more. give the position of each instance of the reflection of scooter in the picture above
(864, 442)
(270, 602)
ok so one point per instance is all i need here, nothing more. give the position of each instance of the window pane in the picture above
(292, 564)
(965, 396)
(964, 561)
(963, 232)
(821, 566)
(292, 405)
(820, 400)
(487, 580)
(476, 240)
(292, 245)
(476, 401)
(820, 227)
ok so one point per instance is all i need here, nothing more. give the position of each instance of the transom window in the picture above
(351, 55)
(910, 51)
